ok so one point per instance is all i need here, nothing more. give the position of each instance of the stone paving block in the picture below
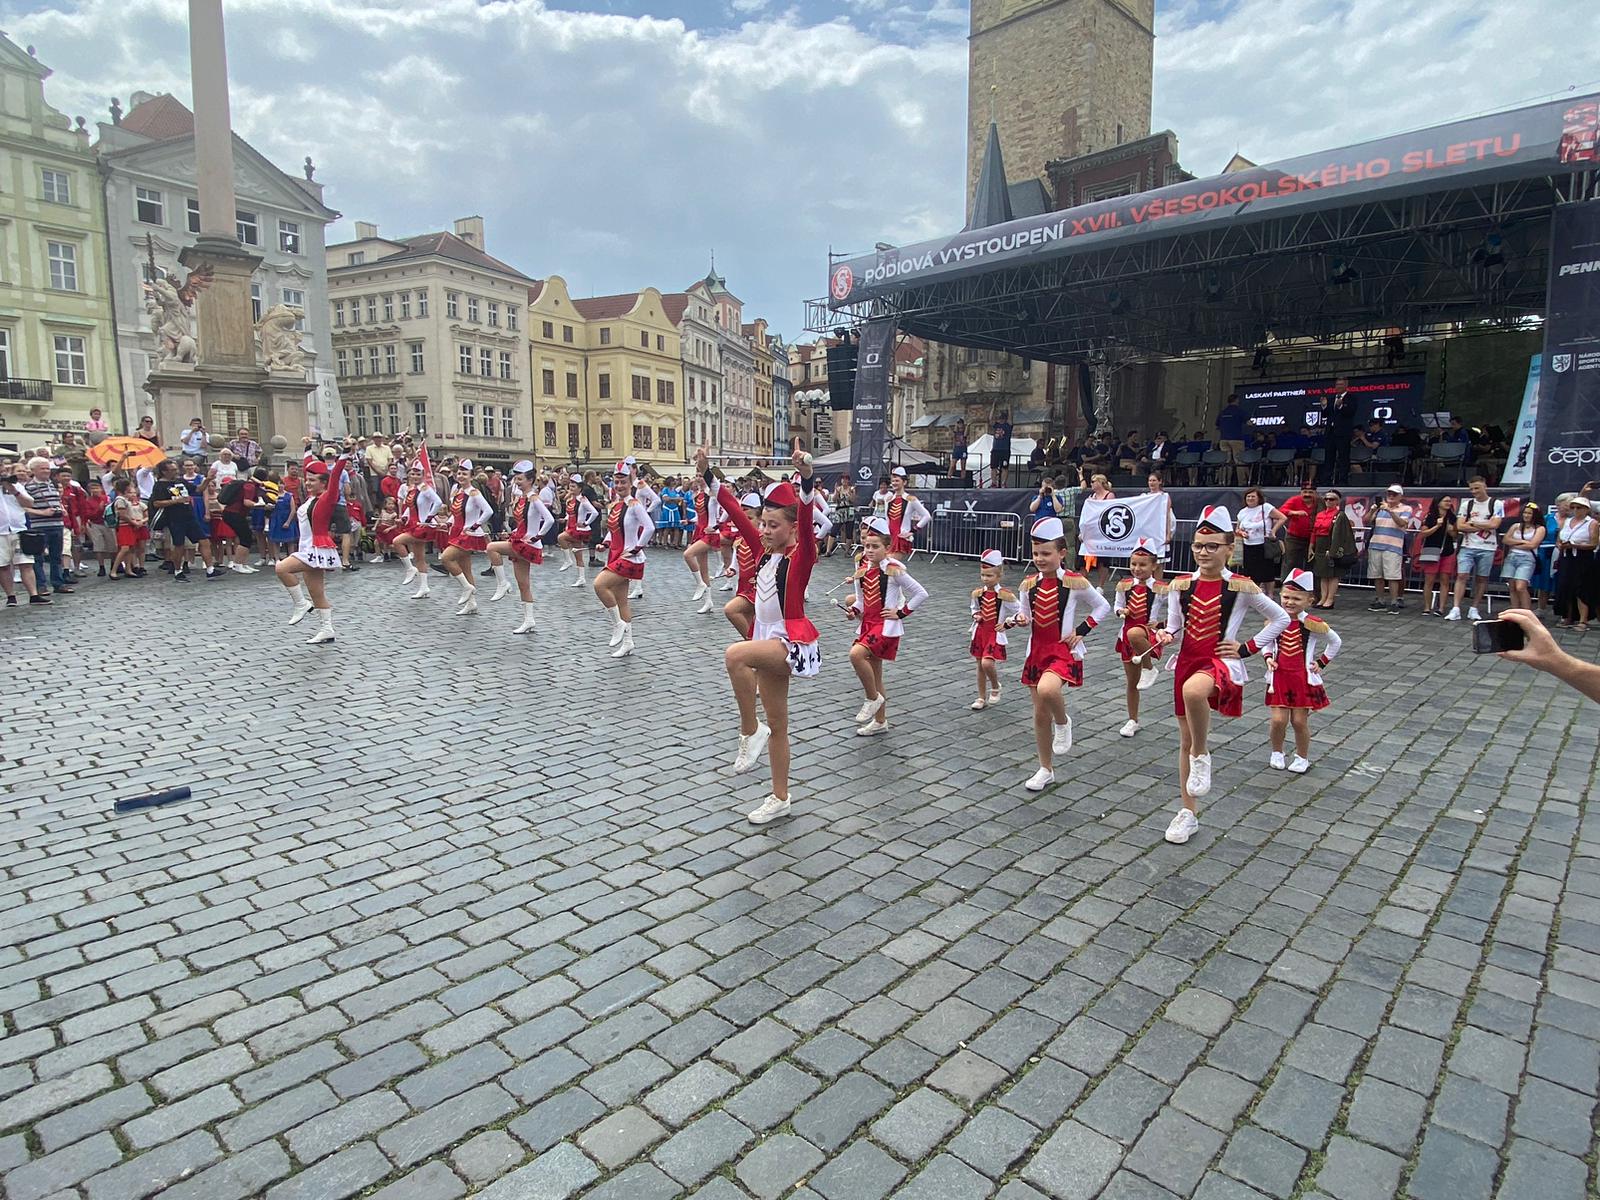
(773, 1096)
(1204, 1012)
(1074, 1164)
(830, 1118)
(51, 1173)
(621, 1137)
(547, 1123)
(1299, 1107)
(863, 1172)
(947, 1178)
(701, 1147)
(1174, 1151)
(488, 1156)
(992, 1140)
(642, 1181)
(339, 1127)
(1045, 1093)
(1556, 1116)
(631, 1075)
(152, 1172)
(1534, 1170)
(240, 1176)
(1492, 1060)
(1353, 1171)
(1452, 1167)
(775, 1165)
(1263, 1160)
(435, 1181)
(913, 1127)
(748, 1050)
(1121, 1104)
(1386, 1115)
(445, 1123)
(105, 1111)
(347, 1173)
(686, 1093)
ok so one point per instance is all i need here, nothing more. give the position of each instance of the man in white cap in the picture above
(1386, 550)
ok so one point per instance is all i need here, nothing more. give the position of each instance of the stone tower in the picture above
(1066, 77)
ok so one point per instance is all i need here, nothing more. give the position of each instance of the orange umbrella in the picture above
(109, 451)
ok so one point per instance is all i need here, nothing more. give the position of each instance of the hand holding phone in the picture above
(1497, 636)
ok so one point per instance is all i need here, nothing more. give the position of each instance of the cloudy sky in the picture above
(618, 143)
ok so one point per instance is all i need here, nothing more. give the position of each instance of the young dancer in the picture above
(741, 610)
(628, 530)
(574, 539)
(994, 610)
(389, 526)
(1295, 661)
(783, 642)
(420, 503)
(702, 541)
(885, 595)
(905, 514)
(469, 512)
(1208, 608)
(304, 573)
(529, 521)
(1049, 603)
(1137, 598)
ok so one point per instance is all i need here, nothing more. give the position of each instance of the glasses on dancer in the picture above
(1209, 546)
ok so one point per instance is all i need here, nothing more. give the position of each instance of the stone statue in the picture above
(280, 341)
(171, 308)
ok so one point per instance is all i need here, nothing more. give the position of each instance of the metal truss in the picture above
(1407, 262)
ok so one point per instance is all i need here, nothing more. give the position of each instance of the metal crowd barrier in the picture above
(966, 532)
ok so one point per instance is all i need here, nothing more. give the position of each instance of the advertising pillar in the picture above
(1567, 422)
(874, 373)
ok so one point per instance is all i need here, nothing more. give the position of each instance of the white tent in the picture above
(978, 450)
(898, 450)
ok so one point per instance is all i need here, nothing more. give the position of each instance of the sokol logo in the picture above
(844, 279)
(1117, 522)
(1560, 363)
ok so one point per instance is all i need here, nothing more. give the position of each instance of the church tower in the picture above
(1061, 77)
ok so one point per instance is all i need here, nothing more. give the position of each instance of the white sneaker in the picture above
(301, 608)
(1276, 761)
(1199, 774)
(705, 607)
(750, 749)
(869, 709)
(1474, 615)
(1131, 728)
(1300, 765)
(979, 705)
(872, 728)
(994, 697)
(1061, 739)
(1183, 827)
(1148, 674)
(1040, 779)
(700, 590)
(411, 573)
(771, 809)
(235, 567)
(1453, 615)
(625, 647)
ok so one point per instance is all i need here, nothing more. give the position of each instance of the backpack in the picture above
(110, 515)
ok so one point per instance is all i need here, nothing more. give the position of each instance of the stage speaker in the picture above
(842, 376)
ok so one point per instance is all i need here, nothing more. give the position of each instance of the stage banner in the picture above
(1567, 424)
(874, 373)
(1519, 467)
(1109, 528)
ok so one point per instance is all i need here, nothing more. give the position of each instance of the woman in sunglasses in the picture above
(1333, 547)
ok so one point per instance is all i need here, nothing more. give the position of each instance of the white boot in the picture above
(569, 564)
(705, 605)
(626, 648)
(422, 588)
(527, 619)
(411, 572)
(469, 602)
(302, 604)
(580, 581)
(701, 589)
(325, 633)
(502, 582)
(636, 592)
(617, 626)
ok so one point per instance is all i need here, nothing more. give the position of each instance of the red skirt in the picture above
(1056, 659)
(1126, 651)
(358, 515)
(471, 542)
(986, 644)
(747, 589)
(878, 644)
(900, 547)
(131, 535)
(221, 531)
(626, 568)
(1291, 689)
(1227, 697)
(710, 538)
(386, 537)
(527, 553)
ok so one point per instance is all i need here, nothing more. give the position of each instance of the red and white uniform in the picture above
(580, 516)
(629, 530)
(781, 579)
(1208, 611)
(1051, 607)
(1137, 603)
(468, 512)
(530, 521)
(905, 514)
(746, 561)
(992, 608)
(708, 520)
(419, 506)
(1301, 651)
(317, 546)
(882, 594)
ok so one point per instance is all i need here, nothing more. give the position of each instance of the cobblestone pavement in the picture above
(452, 911)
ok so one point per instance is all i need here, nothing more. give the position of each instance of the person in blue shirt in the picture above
(1458, 432)
(1230, 434)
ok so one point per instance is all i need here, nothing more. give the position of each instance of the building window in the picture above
(416, 357)
(5, 354)
(508, 424)
(452, 305)
(394, 419)
(355, 312)
(566, 333)
(388, 308)
(361, 420)
(341, 363)
(641, 387)
(486, 363)
(356, 363)
(63, 266)
(419, 417)
(644, 340)
(661, 343)
(289, 237)
(246, 227)
(641, 437)
(488, 420)
(72, 360)
(548, 382)
(605, 337)
(56, 186)
(422, 304)
(469, 421)
(511, 317)
(338, 314)
(391, 364)
(550, 435)
(605, 386)
(666, 391)
(405, 306)
(464, 356)
(667, 439)
(255, 303)
(192, 208)
(148, 207)
(296, 299)
(494, 315)
(357, 257)
(572, 435)
(547, 329)
(372, 310)
(472, 309)
(505, 364)
(572, 385)
(372, 361)
(605, 435)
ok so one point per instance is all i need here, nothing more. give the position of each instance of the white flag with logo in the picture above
(1110, 528)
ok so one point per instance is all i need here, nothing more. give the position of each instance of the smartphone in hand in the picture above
(1492, 637)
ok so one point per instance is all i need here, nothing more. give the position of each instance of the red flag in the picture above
(422, 461)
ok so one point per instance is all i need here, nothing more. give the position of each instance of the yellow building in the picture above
(58, 355)
(761, 346)
(606, 375)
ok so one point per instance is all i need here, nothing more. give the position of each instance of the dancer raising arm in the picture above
(419, 503)
(304, 573)
(741, 610)
(469, 512)
(574, 538)
(885, 595)
(703, 540)
(529, 521)
(629, 530)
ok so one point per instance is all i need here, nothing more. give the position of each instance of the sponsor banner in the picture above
(1284, 407)
(874, 371)
(1478, 149)
(1519, 465)
(1567, 422)
(1110, 528)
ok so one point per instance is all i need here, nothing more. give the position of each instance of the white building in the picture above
(701, 348)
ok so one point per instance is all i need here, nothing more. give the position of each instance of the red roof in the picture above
(606, 308)
(675, 305)
(160, 117)
(448, 245)
(535, 291)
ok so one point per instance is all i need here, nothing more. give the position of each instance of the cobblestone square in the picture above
(456, 912)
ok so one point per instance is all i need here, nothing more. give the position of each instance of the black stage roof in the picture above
(1447, 224)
